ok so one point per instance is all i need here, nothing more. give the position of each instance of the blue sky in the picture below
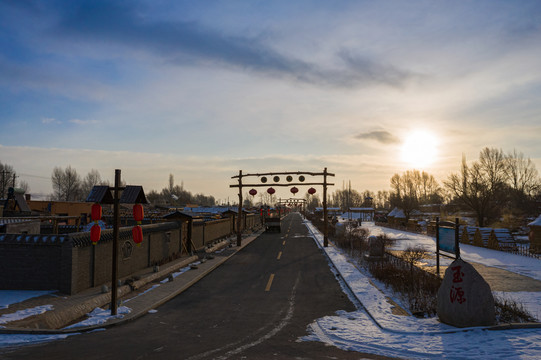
(203, 89)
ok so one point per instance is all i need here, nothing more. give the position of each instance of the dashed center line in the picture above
(279, 255)
(269, 283)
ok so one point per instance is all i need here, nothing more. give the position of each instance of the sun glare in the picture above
(420, 149)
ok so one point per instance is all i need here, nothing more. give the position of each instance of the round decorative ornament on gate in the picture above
(294, 190)
(252, 192)
(271, 191)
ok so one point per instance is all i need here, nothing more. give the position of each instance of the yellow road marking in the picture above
(279, 255)
(269, 283)
(284, 242)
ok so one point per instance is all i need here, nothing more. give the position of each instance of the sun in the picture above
(420, 149)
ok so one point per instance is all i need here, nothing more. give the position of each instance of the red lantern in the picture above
(95, 233)
(138, 213)
(271, 190)
(294, 190)
(96, 212)
(137, 234)
(252, 192)
(311, 191)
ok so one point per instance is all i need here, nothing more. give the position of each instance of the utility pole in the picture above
(239, 215)
(116, 222)
(325, 212)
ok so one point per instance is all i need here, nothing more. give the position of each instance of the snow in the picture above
(22, 314)
(374, 329)
(536, 222)
(100, 316)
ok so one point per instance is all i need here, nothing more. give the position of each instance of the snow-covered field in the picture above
(374, 329)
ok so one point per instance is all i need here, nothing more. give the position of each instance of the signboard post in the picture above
(447, 235)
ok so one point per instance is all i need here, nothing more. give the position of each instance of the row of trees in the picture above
(495, 183)
(68, 185)
(176, 195)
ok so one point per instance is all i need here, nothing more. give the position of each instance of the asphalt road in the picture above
(255, 306)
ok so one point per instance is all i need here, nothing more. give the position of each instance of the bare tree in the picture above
(480, 185)
(66, 184)
(7, 179)
(522, 174)
(91, 179)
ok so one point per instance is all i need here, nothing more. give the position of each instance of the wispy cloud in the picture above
(188, 42)
(381, 136)
(83, 122)
(50, 121)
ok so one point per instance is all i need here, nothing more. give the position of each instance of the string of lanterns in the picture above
(294, 190)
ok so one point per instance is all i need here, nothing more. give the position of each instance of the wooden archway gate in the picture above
(320, 180)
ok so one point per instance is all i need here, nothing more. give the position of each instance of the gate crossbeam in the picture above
(301, 182)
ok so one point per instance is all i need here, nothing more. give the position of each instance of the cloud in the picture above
(83, 122)
(381, 136)
(50, 121)
(189, 42)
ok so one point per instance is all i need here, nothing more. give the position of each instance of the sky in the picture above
(201, 90)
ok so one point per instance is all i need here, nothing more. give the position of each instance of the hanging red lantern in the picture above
(95, 213)
(137, 234)
(138, 213)
(294, 190)
(95, 233)
(252, 192)
(311, 191)
(271, 190)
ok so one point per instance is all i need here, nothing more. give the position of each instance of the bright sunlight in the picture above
(420, 149)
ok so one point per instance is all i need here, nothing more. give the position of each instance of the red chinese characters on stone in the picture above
(456, 293)
(457, 274)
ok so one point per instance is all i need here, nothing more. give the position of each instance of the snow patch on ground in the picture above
(22, 314)
(100, 316)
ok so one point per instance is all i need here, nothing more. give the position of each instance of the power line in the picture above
(36, 176)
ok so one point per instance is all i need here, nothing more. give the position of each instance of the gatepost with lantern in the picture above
(290, 181)
(131, 194)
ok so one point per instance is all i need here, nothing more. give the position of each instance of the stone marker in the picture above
(465, 298)
(376, 249)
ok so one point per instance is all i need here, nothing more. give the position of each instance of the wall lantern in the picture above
(294, 190)
(271, 190)
(311, 191)
(95, 230)
(96, 212)
(138, 213)
(95, 233)
(137, 234)
(137, 231)
(252, 192)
